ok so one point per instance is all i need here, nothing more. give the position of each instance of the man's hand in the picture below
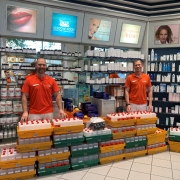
(24, 116)
(62, 114)
(149, 108)
(128, 108)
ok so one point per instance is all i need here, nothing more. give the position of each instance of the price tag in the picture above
(35, 135)
(17, 165)
(53, 159)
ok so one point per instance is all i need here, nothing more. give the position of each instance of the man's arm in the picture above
(127, 99)
(24, 106)
(59, 104)
(150, 98)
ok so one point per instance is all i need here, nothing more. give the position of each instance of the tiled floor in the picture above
(162, 166)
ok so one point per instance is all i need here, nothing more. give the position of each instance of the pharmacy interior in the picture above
(89, 54)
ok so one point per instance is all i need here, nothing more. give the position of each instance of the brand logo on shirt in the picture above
(134, 81)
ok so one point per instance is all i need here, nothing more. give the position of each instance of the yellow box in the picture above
(174, 146)
(112, 148)
(17, 163)
(121, 123)
(33, 147)
(34, 133)
(156, 138)
(68, 129)
(19, 176)
(146, 131)
(111, 159)
(146, 121)
(157, 150)
(53, 157)
(124, 134)
(135, 154)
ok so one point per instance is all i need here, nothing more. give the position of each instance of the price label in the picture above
(35, 135)
(17, 165)
(53, 159)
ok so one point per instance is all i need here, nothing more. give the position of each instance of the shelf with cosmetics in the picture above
(163, 67)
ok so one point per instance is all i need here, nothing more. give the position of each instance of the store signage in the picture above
(130, 33)
(21, 19)
(99, 29)
(64, 25)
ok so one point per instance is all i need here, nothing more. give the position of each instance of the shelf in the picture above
(163, 72)
(165, 82)
(164, 61)
(172, 114)
(108, 72)
(80, 83)
(166, 101)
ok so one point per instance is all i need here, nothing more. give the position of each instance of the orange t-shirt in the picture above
(137, 88)
(29, 75)
(40, 93)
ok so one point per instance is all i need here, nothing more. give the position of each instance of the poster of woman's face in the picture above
(167, 34)
(21, 19)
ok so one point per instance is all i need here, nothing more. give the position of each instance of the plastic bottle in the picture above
(164, 67)
(173, 78)
(160, 66)
(155, 57)
(168, 67)
(152, 55)
(156, 67)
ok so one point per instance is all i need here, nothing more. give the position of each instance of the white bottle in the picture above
(152, 55)
(173, 78)
(160, 66)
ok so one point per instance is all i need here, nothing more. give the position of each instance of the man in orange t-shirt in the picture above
(39, 88)
(137, 86)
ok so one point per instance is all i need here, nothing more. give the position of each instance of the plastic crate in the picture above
(135, 154)
(111, 159)
(44, 172)
(86, 152)
(94, 139)
(71, 142)
(85, 164)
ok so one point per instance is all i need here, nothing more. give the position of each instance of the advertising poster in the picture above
(21, 19)
(130, 34)
(99, 30)
(64, 25)
(167, 34)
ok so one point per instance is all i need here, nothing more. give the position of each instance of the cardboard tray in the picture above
(146, 121)
(111, 148)
(157, 150)
(120, 135)
(112, 159)
(99, 138)
(53, 157)
(136, 144)
(68, 129)
(174, 146)
(121, 123)
(146, 131)
(87, 152)
(135, 154)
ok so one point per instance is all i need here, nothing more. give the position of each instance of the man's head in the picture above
(7, 73)
(40, 66)
(138, 65)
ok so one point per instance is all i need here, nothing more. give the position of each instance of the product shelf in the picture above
(146, 121)
(17, 163)
(70, 142)
(126, 134)
(112, 148)
(156, 150)
(156, 138)
(53, 157)
(135, 154)
(68, 129)
(34, 133)
(54, 170)
(34, 147)
(19, 176)
(100, 138)
(112, 159)
(174, 138)
(120, 123)
(136, 144)
(85, 164)
(146, 131)
(174, 146)
(86, 152)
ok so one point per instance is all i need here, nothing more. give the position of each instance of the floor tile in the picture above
(123, 164)
(102, 170)
(176, 165)
(118, 173)
(138, 176)
(175, 158)
(144, 168)
(91, 176)
(164, 155)
(174, 153)
(161, 163)
(110, 178)
(75, 175)
(176, 175)
(159, 171)
(153, 177)
(51, 177)
(143, 160)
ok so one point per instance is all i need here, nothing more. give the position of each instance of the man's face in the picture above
(41, 66)
(138, 66)
(7, 74)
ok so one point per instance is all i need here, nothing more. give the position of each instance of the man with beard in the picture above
(40, 87)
